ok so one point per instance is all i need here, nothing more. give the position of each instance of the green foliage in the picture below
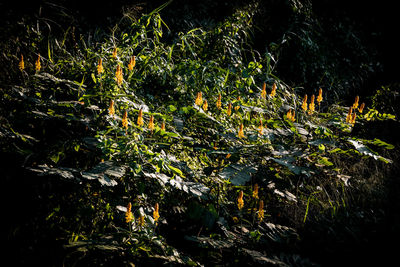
(195, 166)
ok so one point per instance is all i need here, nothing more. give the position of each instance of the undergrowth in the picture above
(187, 150)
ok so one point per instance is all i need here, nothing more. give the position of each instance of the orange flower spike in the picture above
(141, 222)
(319, 97)
(140, 118)
(111, 109)
(199, 99)
(132, 63)
(361, 108)
(261, 211)
(100, 69)
(264, 91)
(304, 105)
(353, 118)
(260, 128)
(21, 63)
(125, 120)
(241, 133)
(118, 75)
(240, 202)
(163, 126)
(219, 104)
(255, 191)
(151, 123)
(273, 90)
(128, 213)
(289, 115)
(229, 110)
(293, 116)
(311, 106)
(355, 105)
(205, 105)
(156, 215)
(114, 54)
(349, 114)
(37, 64)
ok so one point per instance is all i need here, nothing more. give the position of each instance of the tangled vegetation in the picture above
(184, 149)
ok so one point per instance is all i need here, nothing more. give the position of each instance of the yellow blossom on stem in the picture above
(311, 106)
(205, 105)
(304, 105)
(241, 133)
(114, 54)
(132, 63)
(111, 109)
(228, 155)
(219, 104)
(319, 97)
(125, 120)
(361, 108)
(273, 90)
(140, 221)
(21, 63)
(156, 215)
(151, 123)
(255, 191)
(128, 213)
(229, 110)
(353, 118)
(349, 115)
(240, 202)
(355, 105)
(199, 99)
(140, 118)
(261, 211)
(260, 128)
(264, 91)
(37, 64)
(100, 69)
(163, 126)
(118, 75)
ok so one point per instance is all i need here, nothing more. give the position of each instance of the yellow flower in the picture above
(163, 126)
(111, 110)
(291, 115)
(100, 69)
(229, 110)
(304, 105)
(205, 105)
(125, 120)
(219, 104)
(199, 99)
(140, 118)
(114, 54)
(319, 97)
(132, 63)
(255, 191)
(37, 64)
(349, 115)
(128, 213)
(260, 128)
(273, 90)
(241, 133)
(118, 75)
(353, 118)
(228, 155)
(264, 91)
(140, 221)
(261, 211)
(235, 219)
(21, 63)
(151, 123)
(361, 108)
(156, 215)
(355, 105)
(311, 106)
(240, 202)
